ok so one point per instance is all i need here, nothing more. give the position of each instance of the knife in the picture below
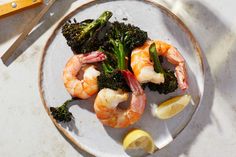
(25, 32)
(17, 5)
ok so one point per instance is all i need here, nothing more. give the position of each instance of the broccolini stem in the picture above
(67, 102)
(102, 20)
(119, 53)
(106, 15)
(121, 58)
(107, 68)
(154, 57)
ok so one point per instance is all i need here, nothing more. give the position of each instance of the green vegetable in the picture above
(170, 84)
(62, 114)
(154, 57)
(114, 80)
(83, 37)
(119, 41)
(116, 40)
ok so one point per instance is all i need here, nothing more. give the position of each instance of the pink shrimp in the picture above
(107, 100)
(143, 67)
(88, 85)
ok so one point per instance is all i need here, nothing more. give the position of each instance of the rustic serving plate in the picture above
(86, 131)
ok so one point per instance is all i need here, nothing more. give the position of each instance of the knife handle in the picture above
(17, 5)
(25, 32)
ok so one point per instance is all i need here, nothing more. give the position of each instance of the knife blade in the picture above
(25, 32)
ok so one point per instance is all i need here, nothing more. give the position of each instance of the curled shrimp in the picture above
(86, 87)
(143, 68)
(107, 100)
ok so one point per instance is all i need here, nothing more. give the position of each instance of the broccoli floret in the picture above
(61, 113)
(170, 84)
(128, 35)
(114, 80)
(83, 37)
(119, 41)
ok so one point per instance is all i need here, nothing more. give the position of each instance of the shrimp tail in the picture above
(132, 82)
(174, 57)
(181, 76)
(94, 56)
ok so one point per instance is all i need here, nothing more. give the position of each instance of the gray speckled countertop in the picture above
(26, 129)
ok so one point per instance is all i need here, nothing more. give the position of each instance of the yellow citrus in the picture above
(139, 139)
(171, 107)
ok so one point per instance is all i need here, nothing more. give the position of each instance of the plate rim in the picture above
(168, 12)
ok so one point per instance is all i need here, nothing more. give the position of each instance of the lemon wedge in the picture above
(139, 139)
(171, 107)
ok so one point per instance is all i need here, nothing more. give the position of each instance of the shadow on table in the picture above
(212, 31)
(73, 128)
(17, 22)
(226, 76)
(79, 150)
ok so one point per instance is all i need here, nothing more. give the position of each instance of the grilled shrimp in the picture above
(107, 100)
(143, 67)
(86, 87)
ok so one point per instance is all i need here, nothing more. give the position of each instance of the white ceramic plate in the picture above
(86, 131)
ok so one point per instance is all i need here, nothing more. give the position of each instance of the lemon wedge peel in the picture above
(139, 139)
(171, 107)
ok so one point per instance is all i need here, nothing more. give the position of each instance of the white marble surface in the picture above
(26, 129)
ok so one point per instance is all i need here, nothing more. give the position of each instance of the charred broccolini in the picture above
(170, 84)
(84, 37)
(119, 41)
(62, 113)
(113, 80)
